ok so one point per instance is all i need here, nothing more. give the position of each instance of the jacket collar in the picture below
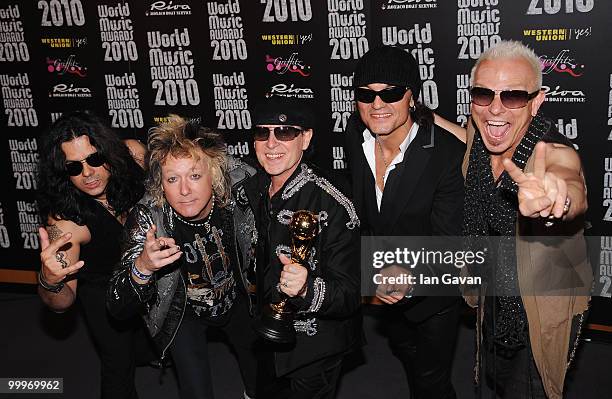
(402, 182)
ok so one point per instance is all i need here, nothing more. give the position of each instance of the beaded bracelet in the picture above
(139, 274)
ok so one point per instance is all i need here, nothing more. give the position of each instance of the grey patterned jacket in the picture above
(162, 302)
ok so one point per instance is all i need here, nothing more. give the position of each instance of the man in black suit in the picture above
(406, 176)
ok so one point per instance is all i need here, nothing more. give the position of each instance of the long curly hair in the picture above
(58, 197)
(187, 139)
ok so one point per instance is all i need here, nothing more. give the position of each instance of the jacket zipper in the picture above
(242, 278)
(163, 354)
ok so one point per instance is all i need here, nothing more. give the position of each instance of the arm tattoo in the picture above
(54, 232)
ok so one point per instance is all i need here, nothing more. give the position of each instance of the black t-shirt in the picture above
(208, 256)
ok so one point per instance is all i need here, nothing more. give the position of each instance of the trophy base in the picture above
(275, 326)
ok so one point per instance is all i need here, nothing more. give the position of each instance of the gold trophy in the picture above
(276, 321)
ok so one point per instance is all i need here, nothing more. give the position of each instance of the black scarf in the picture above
(490, 209)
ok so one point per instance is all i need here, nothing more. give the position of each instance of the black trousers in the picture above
(318, 380)
(425, 349)
(190, 352)
(513, 378)
(515, 375)
(114, 341)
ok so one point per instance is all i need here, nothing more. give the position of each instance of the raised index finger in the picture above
(151, 233)
(539, 165)
(44, 238)
(514, 171)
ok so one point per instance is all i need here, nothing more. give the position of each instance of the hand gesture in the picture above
(293, 277)
(541, 193)
(55, 263)
(157, 252)
(392, 293)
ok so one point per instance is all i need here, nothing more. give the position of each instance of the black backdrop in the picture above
(137, 61)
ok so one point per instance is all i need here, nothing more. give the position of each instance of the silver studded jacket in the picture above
(327, 319)
(162, 302)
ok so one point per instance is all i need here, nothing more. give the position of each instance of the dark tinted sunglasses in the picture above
(510, 98)
(282, 133)
(74, 168)
(388, 95)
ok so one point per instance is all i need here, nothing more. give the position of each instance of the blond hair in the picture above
(508, 49)
(180, 138)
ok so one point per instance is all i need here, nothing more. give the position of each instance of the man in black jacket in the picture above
(323, 290)
(406, 177)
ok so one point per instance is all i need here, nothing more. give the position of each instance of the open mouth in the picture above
(497, 130)
(274, 156)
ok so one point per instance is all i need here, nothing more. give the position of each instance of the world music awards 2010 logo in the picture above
(292, 64)
(70, 66)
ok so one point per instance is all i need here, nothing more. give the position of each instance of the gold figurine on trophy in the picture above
(276, 322)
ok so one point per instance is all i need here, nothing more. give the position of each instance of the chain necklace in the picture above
(106, 206)
(382, 154)
(204, 223)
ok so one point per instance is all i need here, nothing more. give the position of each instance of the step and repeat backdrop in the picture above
(135, 62)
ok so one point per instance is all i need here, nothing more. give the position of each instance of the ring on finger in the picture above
(566, 205)
(284, 284)
(60, 257)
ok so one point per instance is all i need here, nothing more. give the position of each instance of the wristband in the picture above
(139, 274)
(55, 288)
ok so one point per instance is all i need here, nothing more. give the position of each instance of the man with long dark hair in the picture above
(88, 181)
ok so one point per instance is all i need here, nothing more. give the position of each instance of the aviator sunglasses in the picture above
(74, 168)
(282, 133)
(512, 99)
(388, 95)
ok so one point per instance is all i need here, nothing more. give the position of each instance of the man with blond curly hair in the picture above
(187, 247)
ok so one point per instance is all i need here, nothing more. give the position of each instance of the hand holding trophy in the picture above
(276, 321)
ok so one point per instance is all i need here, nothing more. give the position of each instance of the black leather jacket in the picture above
(162, 302)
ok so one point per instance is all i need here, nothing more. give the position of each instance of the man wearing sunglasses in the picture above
(406, 179)
(324, 292)
(524, 178)
(87, 183)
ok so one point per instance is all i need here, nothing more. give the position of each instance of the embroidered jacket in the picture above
(327, 320)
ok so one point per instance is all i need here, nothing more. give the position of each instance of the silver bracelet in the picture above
(55, 288)
(139, 274)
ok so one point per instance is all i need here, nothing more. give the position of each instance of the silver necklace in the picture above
(204, 223)
(106, 206)
(382, 154)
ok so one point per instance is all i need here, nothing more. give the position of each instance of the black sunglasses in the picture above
(74, 168)
(282, 133)
(512, 99)
(388, 95)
